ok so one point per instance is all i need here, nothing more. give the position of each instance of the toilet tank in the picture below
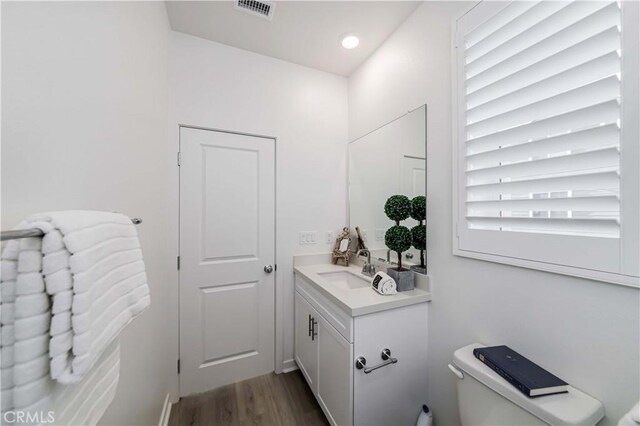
(485, 398)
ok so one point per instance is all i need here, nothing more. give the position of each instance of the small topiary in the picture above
(398, 239)
(419, 237)
(397, 208)
(419, 208)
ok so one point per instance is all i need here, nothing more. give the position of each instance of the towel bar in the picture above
(26, 233)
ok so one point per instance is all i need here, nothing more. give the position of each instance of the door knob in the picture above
(268, 269)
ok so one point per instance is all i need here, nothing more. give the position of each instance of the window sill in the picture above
(619, 279)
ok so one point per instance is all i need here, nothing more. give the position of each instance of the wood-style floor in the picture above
(270, 400)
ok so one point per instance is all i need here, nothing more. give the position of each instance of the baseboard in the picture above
(289, 366)
(166, 411)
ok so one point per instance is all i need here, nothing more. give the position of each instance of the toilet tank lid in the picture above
(573, 408)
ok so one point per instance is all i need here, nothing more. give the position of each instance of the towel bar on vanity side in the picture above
(361, 362)
(27, 233)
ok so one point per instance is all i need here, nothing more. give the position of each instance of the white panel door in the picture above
(414, 177)
(227, 238)
(414, 183)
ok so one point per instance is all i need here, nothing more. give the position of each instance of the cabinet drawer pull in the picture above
(314, 333)
(361, 362)
(310, 319)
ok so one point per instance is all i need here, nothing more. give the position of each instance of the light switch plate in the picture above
(328, 237)
(308, 237)
(380, 234)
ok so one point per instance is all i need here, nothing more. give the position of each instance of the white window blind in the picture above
(539, 99)
(542, 120)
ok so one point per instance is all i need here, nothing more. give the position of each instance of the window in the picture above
(546, 168)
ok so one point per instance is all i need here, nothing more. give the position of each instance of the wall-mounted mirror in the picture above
(390, 160)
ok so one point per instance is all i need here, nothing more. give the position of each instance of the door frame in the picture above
(278, 279)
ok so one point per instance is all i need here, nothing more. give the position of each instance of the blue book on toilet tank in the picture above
(527, 376)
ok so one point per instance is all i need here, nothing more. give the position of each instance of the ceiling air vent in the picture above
(263, 9)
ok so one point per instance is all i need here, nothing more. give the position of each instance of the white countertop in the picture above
(359, 301)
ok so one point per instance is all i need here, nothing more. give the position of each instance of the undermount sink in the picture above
(345, 279)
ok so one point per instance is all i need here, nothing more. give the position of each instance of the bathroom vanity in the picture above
(363, 354)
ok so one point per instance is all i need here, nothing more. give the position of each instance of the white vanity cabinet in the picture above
(324, 357)
(306, 343)
(328, 341)
(334, 374)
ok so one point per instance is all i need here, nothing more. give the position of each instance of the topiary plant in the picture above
(419, 208)
(419, 232)
(398, 239)
(397, 208)
(419, 240)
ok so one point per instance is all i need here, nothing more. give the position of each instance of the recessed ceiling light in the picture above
(350, 41)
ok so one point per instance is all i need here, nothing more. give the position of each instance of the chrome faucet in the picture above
(367, 269)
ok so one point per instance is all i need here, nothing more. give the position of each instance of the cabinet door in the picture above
(306, 343)
(335, 374)
(391, 395)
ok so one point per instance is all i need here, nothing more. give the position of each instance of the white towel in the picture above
(94, 272)
(64, 300)
(24, 325)
(84, 403)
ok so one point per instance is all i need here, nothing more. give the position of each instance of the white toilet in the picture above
(485, 398)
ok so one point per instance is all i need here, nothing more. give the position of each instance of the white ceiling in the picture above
(304, 32)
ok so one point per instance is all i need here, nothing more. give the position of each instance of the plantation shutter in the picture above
(547, 143)
(542, 119)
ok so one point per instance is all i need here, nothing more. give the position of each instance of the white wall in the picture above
(84, 110)
(220, 87)
(585, 331)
